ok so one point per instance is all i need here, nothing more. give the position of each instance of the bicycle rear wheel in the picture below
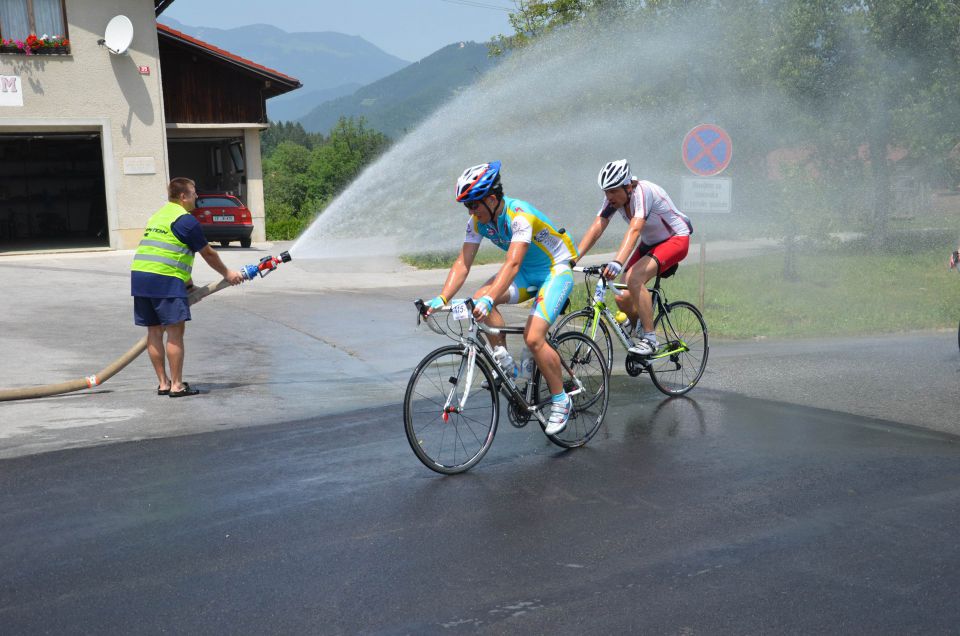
(456, 443)
(583, 366)
(581, 322)
(682, 335)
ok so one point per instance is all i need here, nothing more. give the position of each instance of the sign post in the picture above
(706, 151)
(703, 271)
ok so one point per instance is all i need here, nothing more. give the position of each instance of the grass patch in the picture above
(838, 294)
(443, 260)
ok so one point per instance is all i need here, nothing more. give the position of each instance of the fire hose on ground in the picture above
(266, 265)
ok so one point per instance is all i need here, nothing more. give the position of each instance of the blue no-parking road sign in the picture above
(707, 150)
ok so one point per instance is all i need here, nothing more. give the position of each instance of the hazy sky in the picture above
(409, 29)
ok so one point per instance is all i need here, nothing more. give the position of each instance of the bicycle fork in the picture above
(470, 362)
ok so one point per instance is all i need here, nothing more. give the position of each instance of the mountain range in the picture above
(399, 101)
(347, 76)
(328, 64)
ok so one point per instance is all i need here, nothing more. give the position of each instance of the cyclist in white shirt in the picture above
(664, 234)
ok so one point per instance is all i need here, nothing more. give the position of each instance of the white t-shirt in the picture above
(663, 219)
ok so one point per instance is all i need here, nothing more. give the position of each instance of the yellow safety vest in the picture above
(160, 251)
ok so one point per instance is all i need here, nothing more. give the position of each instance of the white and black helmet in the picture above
(614, 175)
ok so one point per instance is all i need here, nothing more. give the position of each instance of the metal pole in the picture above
(703, 267)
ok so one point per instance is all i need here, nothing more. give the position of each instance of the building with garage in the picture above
(89, 138)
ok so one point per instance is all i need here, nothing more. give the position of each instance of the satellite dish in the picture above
(119, 35)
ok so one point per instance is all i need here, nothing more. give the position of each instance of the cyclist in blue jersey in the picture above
(537, 266)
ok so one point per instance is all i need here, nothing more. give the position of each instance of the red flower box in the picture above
(33, 45)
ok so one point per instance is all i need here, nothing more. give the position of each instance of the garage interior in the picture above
(52, 191)
(215, 164)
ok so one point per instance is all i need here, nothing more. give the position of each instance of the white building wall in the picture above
(255, 183)
(92, 89)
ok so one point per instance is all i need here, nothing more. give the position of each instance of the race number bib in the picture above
(460, 311)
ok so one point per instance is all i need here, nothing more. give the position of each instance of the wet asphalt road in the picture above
(714, 514)
(799, 490)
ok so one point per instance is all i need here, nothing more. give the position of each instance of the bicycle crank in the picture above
(519, 416)
(636, 364)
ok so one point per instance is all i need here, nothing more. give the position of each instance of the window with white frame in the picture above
(20, 18)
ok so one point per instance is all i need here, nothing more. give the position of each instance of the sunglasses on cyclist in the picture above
(472, 205)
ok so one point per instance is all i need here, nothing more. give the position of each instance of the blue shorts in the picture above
(150, 312)
(552, 288)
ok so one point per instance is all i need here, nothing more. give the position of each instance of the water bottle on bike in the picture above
(505, 361)
(623, 320)
(526, 366)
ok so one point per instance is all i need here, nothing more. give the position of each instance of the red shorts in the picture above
(667, 254)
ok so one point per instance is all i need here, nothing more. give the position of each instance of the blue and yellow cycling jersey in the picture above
(521, 222)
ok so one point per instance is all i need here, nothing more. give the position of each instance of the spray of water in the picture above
(550, 113)
(554, 114)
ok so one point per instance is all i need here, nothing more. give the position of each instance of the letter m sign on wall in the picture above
(11, 93)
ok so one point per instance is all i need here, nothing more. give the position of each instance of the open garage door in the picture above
(52, 192)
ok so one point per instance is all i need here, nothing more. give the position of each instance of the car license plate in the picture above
(223, 218)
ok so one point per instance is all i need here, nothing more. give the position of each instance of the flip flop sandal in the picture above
(167, 391)
(185, 392)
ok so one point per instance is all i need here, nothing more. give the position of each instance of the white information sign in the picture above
(139, 165)
(11, 90)
(707, 195)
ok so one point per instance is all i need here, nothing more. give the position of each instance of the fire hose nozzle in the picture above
(266, 265)
(248, 272)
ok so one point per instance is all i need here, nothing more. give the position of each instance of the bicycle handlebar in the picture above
(597, 270)
(593, 270)
(424, 312)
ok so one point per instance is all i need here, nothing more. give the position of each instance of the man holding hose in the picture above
(160, 282)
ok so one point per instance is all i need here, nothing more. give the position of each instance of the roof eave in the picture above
(283, 81)
(159, 6)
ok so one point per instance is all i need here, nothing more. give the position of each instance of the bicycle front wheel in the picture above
(679, 361)
(582, 322)
(452, 442)
(584, 371)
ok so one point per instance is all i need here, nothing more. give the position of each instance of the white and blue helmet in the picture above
(476, 182)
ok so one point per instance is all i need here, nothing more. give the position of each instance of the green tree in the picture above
(290, 131)
(535, 18)
(333, 165)
(914, 87)
(857, 74)
(300, 179)
(285, 178)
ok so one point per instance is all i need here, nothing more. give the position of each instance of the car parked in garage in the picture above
(224, 218)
